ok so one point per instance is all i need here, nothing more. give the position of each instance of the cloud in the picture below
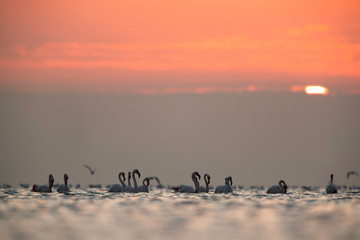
(314, 51)
(282, 51)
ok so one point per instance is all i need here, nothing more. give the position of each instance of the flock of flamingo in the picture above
(195, 176)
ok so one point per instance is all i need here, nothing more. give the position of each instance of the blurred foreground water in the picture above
(162, 214)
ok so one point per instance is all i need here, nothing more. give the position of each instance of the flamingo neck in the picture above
(129, 180)
(51, 183)
(206, 185)
(122, 182)
(196, 183)
(135, 183)
(65, 181)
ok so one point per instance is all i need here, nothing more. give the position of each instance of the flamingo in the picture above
(144, 187)
(63, 188)
(44, 188)
(92, 171)
(135, 188)
(118, 187)
(225, 188)
(331, 188)
(158, 181)
(189, 189)
(207, 181)
(281, 188)
(351, 173)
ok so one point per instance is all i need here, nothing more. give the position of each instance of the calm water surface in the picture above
(162, 214)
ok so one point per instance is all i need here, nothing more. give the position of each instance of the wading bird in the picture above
(207, 181)
(331, 188)
(189, 189)
(135, 188)
(118, 187)
(144, 187)
(64, 187)
(44, 188)
(225, 188)
(281, 188)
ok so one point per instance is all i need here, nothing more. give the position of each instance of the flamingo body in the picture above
(118, 187)
(44, 188)
(225, 188)
(134, 189)
(207, 181)
(63, 188)
(281, 188)
(144, 187)
(331, 188)
(189, 189)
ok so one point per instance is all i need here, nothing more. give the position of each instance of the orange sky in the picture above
(163, 46)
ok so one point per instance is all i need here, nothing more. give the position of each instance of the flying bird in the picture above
(92, 171)
(351, 173)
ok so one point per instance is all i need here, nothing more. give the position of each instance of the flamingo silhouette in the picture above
(92, 171)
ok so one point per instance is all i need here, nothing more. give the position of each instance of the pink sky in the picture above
(188, 46)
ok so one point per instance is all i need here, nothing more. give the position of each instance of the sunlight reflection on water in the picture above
(162, 214)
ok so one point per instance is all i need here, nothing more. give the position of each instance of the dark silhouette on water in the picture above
(331, 188)
(225, 188)
(135, 188)
(144, 187)
(63, 188)
(189, 189)
(92, 171)
(44, 188)
(118, 187)
(158, 182)
(281, 188)
(207, 181)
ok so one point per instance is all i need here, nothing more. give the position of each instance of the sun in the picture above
(319, 90)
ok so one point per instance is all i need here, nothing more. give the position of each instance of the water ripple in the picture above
(305, 212)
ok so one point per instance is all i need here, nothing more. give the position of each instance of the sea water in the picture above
(162, 214)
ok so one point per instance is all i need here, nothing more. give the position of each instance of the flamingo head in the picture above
(147, 181)
(283, 184)
(137, 172)
(196, 174)
(34, 188)
(122, 174)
